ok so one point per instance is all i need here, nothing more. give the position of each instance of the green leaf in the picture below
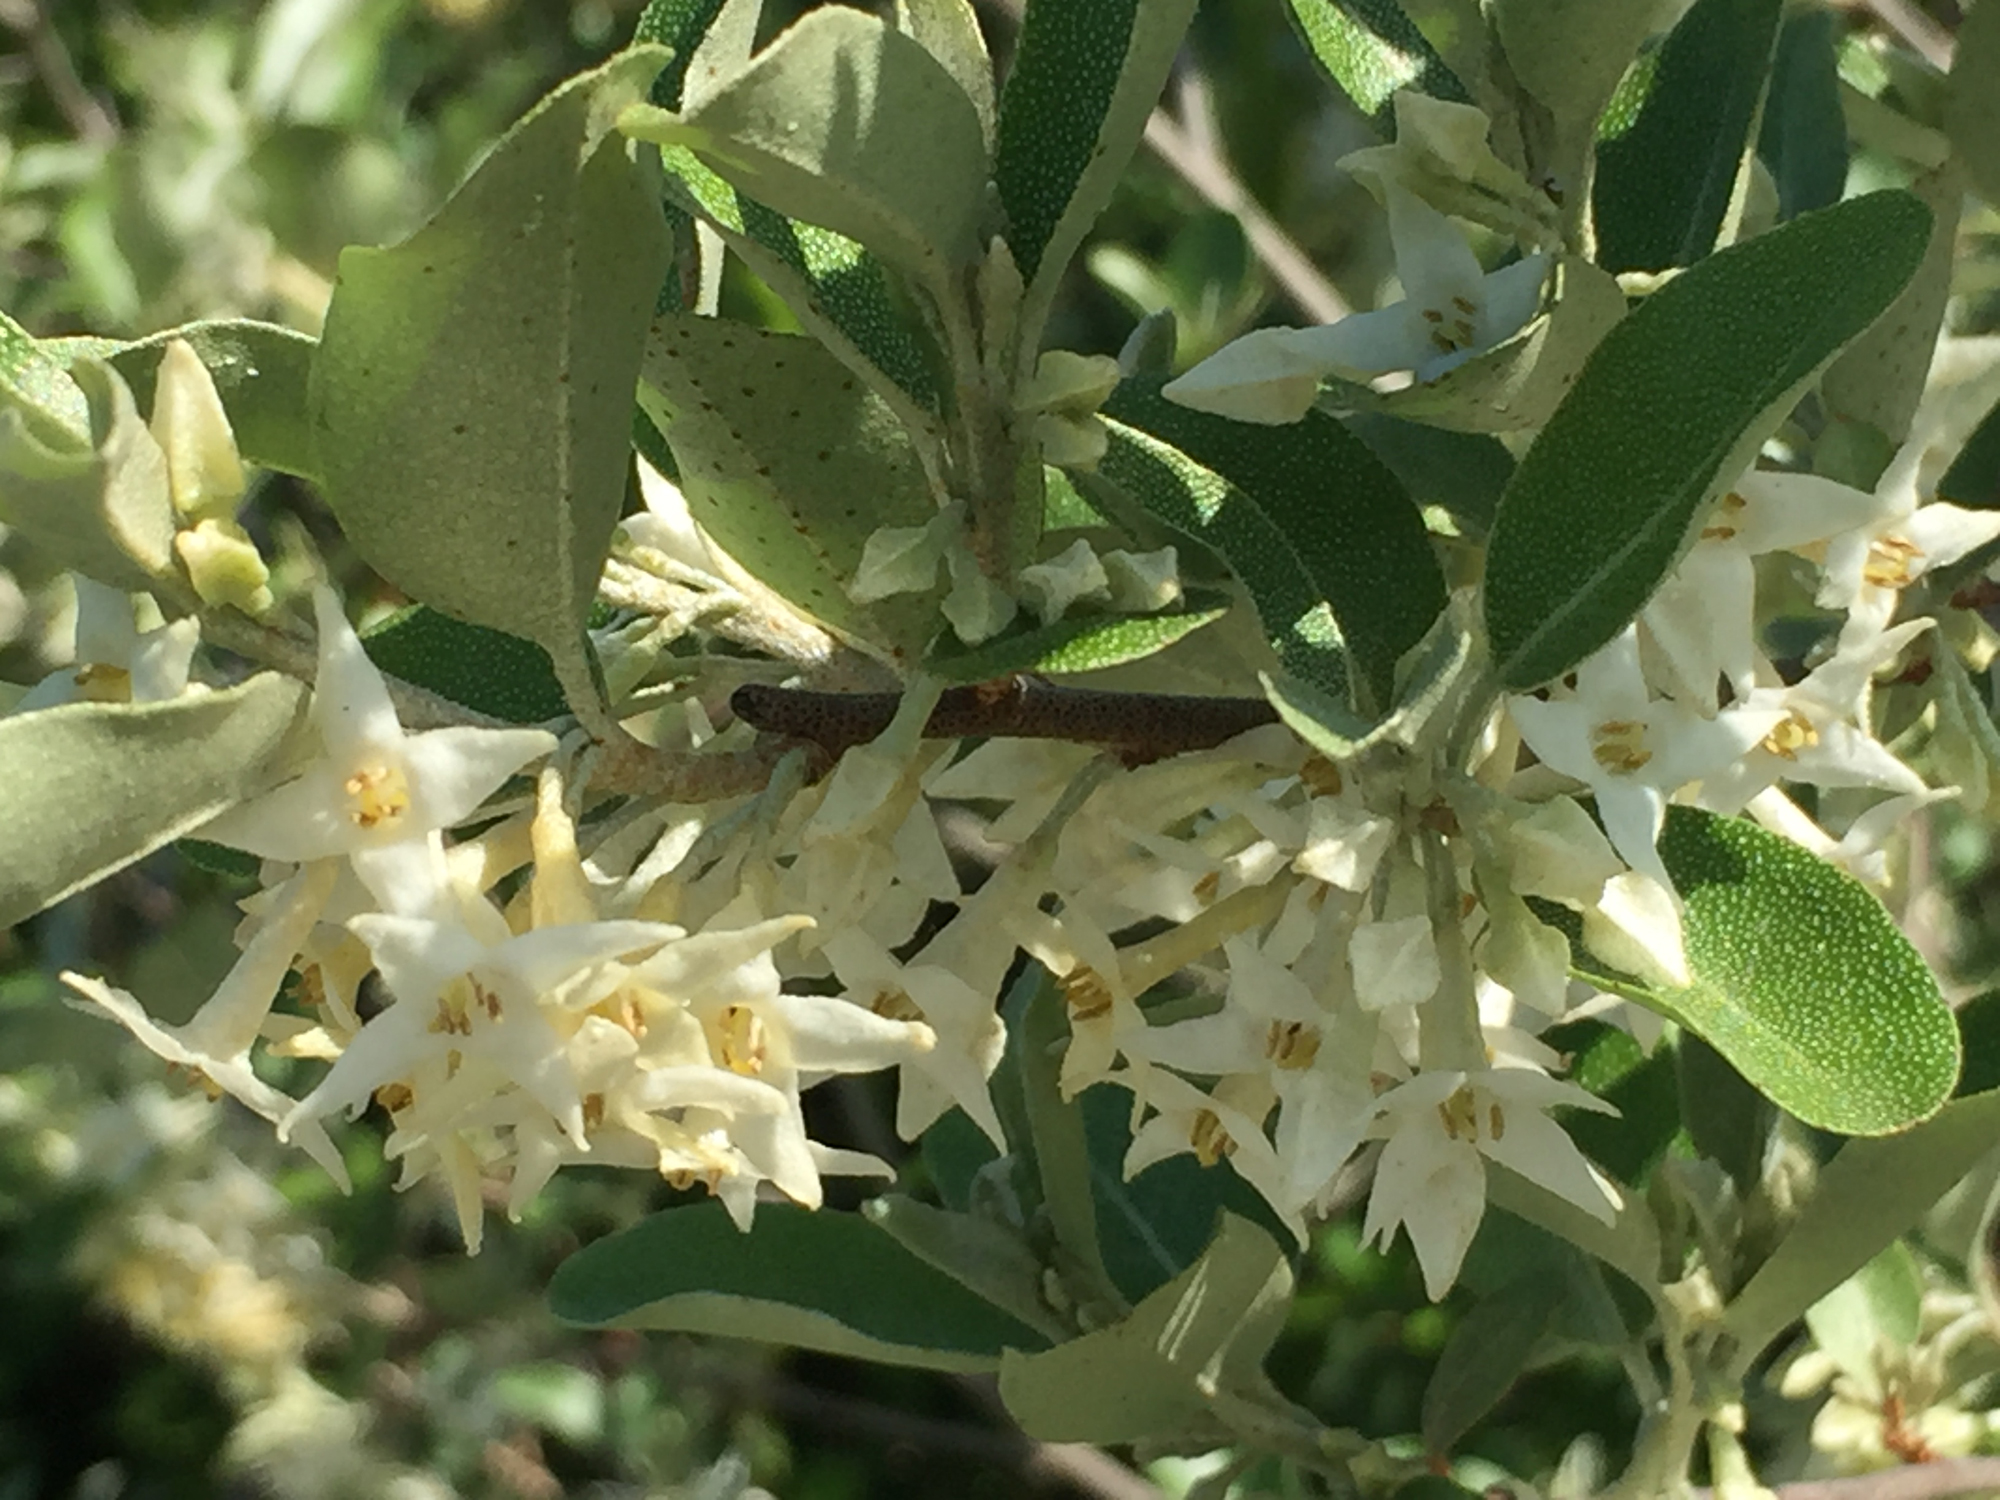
(1973, 480)
(1344, 513)
(1880, 378)
(789, 463)
(260, 372)
(1867, 1196)
(991, 1261)
(1140, 1378)
(1571, 54)
(1515, 385)
(846, 123)
(487, 670)
(1664, 182)
(1801, 980)
(679, 25)
(1728, 1120)
(1972, 104)
(949, 31)
(1164, 482)
(1487, 1353)
(1372, 49)
(1462, 473)
(827, 1281)
(472, 394)
(101, 507)
(838, 291)
(1876, 1311)
(1979, 1036)
(1672, 406)
(1630, 1244)
(1086, 643)
(1804, 138)
(91, 787)
(1086, 74)
(1641, 1085)
(36, 383)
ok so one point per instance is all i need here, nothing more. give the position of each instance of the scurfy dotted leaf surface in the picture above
(1801, 980)
(1666, 411)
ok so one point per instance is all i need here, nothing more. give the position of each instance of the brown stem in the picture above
(1137, 727)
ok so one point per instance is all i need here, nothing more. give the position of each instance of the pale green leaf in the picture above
(845, 122)
(1801, 980)
(91, 787)
(34, 381)
(1629, 1244)
(949, 30)
(1671, 407)
(827, 1281)
(1876, 1312)
(1570, 54)
(1140, 1378)
(993, 1262)
(472, 395)
(1972, 103)
(101, 508)
(789, 463)
(1864, 1199)
(260, 371)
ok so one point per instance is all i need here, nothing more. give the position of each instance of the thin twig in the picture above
(86, 116)
(1190, 147)
(1931, 1481)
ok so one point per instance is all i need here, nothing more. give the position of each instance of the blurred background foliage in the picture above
(188, 1310)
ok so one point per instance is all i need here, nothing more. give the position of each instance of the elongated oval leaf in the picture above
(472, 395)
(1165, 483)
(1804, 136)
(679, 25)
(1865, 1197)
(1801, 980)
(1372, 48)
(1671, 406)
(1972, 104)
(91, 787)
(789, 463)
(847, 123)
(827, 1281)
(1088, 643)
(1086, 74)
(1347, 516)
(483, 669)
(1665, 180)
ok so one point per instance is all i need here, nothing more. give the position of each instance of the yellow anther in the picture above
(104, 684)
(1790, 735)
(745, 1043)
(1321, 776)
(896, 1005)
(377, 794)
(1620, 745)
(1292, 1045)
(1210, 1141)
(1890, 560)
(1086, 992)
(593, 1111)
(395, 1097)
(1206, 887)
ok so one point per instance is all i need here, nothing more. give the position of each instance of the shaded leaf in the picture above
(487, 670)
(1972, 103)
(1084, 643)
(1487, 1352)
(827, 1281)
(1804, 136)
(1372, 48)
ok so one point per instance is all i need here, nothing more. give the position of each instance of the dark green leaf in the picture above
(1728, 1120)
(1801, 980)
(1086, 74)
(1079, 644)
(1979, 1035)
(989, 1260)
(1670, 409)
(482, 669)
(1642, 1086)
(1487, 1352)
(1664, 183)
(1372, 49)
(827, 1281)
(679, 24)
(1340, 509)
(1804, 137)
(1462, 473)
